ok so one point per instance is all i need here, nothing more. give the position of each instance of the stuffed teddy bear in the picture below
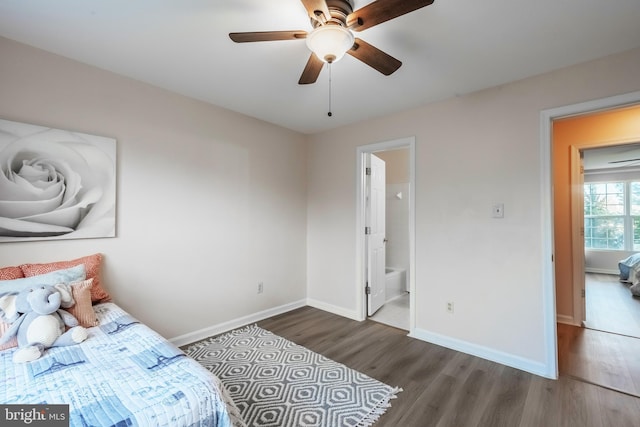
(38, 321)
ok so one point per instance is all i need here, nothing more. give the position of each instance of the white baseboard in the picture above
(507, 359)
(602, 271)
(340, 311)
(234, 324)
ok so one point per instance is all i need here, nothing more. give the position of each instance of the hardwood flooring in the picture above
(610, 306)
(443, 387)
(606, 351)
(602, 358)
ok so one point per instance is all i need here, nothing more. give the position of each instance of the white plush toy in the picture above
(38, 321)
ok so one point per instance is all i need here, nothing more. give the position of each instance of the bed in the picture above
(630, 273)
(123, 374)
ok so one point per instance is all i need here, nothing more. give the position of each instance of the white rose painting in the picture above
(55, 184)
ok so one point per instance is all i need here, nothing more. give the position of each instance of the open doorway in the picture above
(581, 350)
(573, 136)
(397, 158)
(395, 308)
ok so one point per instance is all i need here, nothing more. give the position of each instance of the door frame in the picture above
(406, 142)
(546, 152)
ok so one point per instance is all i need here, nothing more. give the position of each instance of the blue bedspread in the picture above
(124, 374)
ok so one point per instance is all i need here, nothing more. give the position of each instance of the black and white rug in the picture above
(275, 382)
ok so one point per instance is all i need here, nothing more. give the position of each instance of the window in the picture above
(612, 215)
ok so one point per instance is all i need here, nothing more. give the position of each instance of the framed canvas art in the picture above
(55, 184)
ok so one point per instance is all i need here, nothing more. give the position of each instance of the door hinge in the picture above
(367, 171)
(367, 230)
(367, 289)
(583, 293)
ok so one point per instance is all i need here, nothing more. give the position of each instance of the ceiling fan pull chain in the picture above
(329, 67)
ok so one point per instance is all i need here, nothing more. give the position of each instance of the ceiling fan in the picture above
(623, 161)
(334, 22)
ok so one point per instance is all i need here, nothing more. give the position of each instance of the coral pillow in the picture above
(83, 309)
(11, 273)
(92, 263)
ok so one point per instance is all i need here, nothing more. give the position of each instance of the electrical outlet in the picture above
(450, 307)
(260, 287)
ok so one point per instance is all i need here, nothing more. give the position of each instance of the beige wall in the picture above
(471, 152)
(209, 202)
(397, 165)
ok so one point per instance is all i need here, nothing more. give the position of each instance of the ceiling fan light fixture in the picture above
(330, 42)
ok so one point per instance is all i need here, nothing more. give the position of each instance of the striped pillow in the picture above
(83, 309)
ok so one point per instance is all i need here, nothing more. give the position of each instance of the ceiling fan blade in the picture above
(374, 57)
(267, 36)
(317, 9)
(624, 161)
(381, 11)
(311, 70)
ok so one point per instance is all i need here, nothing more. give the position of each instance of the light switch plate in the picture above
(498, 210)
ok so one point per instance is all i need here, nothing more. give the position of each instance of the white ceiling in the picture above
(450, 48)
(617, 157)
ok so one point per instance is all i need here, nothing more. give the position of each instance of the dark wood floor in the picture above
(443, 387)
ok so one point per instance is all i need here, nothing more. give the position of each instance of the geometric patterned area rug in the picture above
(275, 382)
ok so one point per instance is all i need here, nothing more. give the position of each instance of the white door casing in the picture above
(375, 235)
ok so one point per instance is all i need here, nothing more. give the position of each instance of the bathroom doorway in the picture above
(398, 156)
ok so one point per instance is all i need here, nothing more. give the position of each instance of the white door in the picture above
(375, 232)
